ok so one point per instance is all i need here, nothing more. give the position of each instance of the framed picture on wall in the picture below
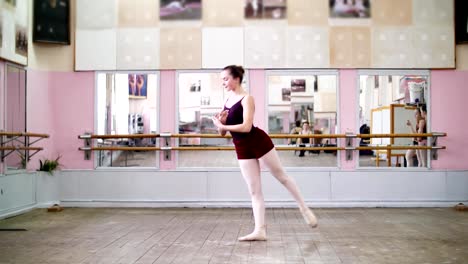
(298, 85)
(461, 21)
(21, 40)
(350, 8)
(180, 9)
(265, 9)
(286, 94)
(137, 86)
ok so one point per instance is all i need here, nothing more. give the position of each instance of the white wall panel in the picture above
(95, 49)
(16, 191)
(265, 47)
(307, 47)
(91, 14)
(392, 47)
(457, 185)
(137, 48)
(433, 46)
(433, 13)
(388, 186)
(222, 47)
(226, 188)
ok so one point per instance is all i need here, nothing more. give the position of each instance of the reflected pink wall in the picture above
(167, 114)
(449, 95)
(2, 102)
(257, 88)
(347, 111)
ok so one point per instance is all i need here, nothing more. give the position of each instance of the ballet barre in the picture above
(348, 146)
(13, 142)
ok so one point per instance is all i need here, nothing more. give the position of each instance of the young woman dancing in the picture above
(253, 146)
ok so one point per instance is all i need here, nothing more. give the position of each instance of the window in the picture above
(390, 102)
(201, 96)
(127, 104)
(295, 98)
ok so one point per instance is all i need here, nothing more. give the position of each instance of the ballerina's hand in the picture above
(216, 121)
(222, 116)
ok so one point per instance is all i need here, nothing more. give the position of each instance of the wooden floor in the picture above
(377, 235)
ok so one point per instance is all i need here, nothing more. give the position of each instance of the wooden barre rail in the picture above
(11, 142)
(20, 148)
(348, 147)
(23, 134)
(271, 136)
(278, 148)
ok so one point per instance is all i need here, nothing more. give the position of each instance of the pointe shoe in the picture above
(257, 235)
(309, 217)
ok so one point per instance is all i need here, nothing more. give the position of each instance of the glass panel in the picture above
(201, 96)
(15, 116)
(303, 103)
(126, 104)
(392, 104)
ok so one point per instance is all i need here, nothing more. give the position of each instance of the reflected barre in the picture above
(348, 146)
(19, 141)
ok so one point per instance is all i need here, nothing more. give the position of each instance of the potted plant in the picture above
(47, 186)
(48, 165)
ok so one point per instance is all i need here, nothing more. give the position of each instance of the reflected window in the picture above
(303, 103)
(15, 116)
(127, 104)
(200, 97)
(393, 103)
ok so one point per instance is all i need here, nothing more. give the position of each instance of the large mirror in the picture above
(303, 103)
(127, 103)
(393, 103)
(15, 118)
(201, 96)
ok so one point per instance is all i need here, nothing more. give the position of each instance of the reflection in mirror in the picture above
(393, 104)
(298, 98)
(201, 96)
(127, 104)
(15, 83)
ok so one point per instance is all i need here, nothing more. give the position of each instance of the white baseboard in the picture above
(247, 204)
(16, 211)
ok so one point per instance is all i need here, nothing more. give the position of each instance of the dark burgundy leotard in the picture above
(250, 145)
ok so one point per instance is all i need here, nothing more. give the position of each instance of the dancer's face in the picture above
(229, 83)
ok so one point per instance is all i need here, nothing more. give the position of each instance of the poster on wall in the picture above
(21, 40)
(349, 8)
(180, 9)
(286, 94)
(137, 86)
(414, 88)
(298, 85)
(265, 9)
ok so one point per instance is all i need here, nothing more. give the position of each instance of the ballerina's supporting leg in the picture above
(250, 169)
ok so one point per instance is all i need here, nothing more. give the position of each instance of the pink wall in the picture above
(167, 114)
(257, 88)
(449, 93)
(39, 115)
(347, 112)
(61, 104)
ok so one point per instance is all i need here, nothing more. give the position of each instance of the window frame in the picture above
(400, 72)
(334, 72)
(158, 116)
